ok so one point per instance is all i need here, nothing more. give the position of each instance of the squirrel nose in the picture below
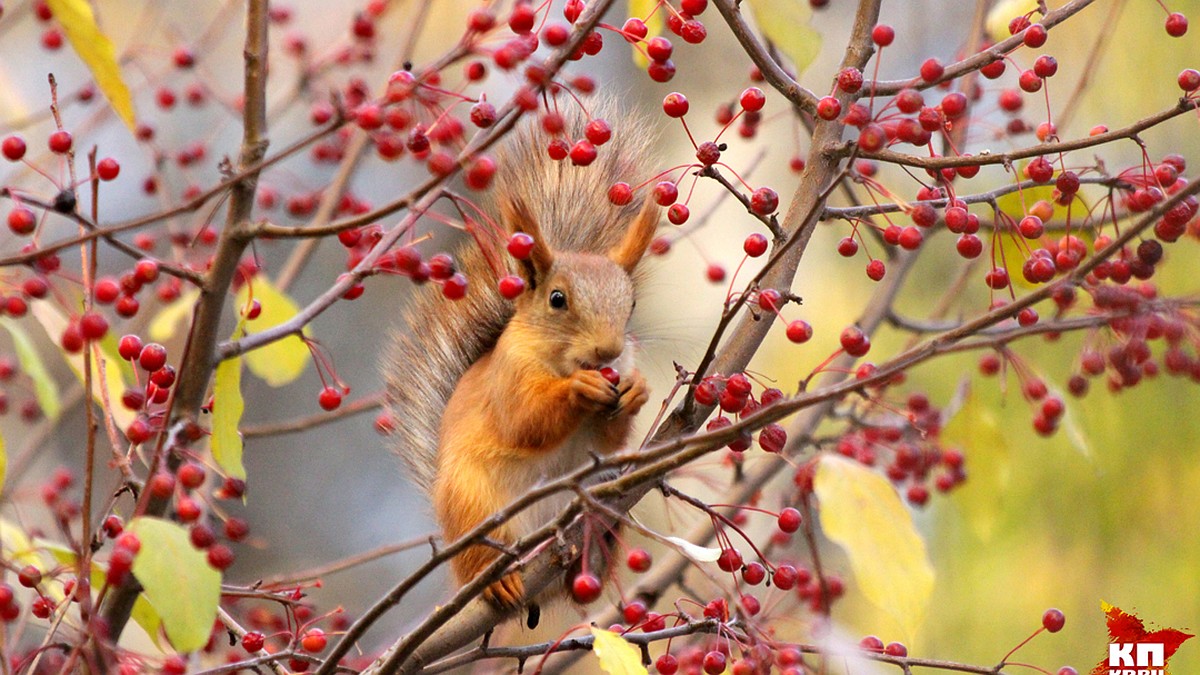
(609, 350)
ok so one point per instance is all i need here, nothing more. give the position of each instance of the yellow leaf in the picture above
(44, 387)
(976, 431)
(17, 546)
(54, 322)
(861, 513)
(282, 361)
(1004, 12)
(179, 583)
(227, 414)
(97, 52)
(646, 10)
(617, 656)
(785, 23)
(162, 326)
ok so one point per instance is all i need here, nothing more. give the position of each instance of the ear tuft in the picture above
(637, 239)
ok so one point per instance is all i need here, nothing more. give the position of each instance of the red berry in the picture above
(455, 288)
(715, 273)
(883, 35)
(620, 194)
(678, 214)
(520, 245)
(60, 142)
(666, 665)
(764, 201)
(753, 99)
(665, 193)
(755, 245)
(932, 70)
(729, 560)
(511, 286)
(799, 331)
(162, 485)
(29, 576)
(153, 356)
(253, 641)
(875, 270)
(693, 32)
(1034, 36)
(314, 640)
(895, 649)
(675, 105)
(789, 520)
(828, 108)
(220, 556)
(850, 80)
(1053, 620)
(585, 588)
(13, 148)
(21, 221)
(191, 475)
(1177, 24)
(329, 398)
(638, 560)
(129, 347)
(1029, 81)
(854, 341)
(583, 153)
(92, 326)
(715, 662)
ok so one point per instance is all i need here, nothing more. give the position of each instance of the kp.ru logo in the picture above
(1133, 650)
(1144, 658)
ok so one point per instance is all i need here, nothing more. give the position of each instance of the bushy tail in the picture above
(440, 338)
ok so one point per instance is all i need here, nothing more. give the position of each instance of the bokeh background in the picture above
(1114, 517)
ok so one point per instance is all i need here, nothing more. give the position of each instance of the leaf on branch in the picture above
(164, 324)
(616, 655)
(178, 581)
(97, 53)
(227, 415)
(282, 361)
(861, 513)
(17, 547)
(54, 322)
(647, 11)
(701, 554)
(974, 428)
(44, 387)
(786, 24)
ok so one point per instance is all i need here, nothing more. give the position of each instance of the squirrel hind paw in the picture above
(508, 593)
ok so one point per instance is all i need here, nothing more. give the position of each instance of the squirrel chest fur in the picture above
(494, 398)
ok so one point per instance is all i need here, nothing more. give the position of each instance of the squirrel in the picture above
(492, 397)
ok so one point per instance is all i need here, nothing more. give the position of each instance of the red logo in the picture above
(1132, 649)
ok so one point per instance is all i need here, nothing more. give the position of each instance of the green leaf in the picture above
(647, 10)
(178, 581)
(44, 387)
(785, 23)
(97, 52)
(54, 322)
(976, 431)
(163, 325)
(227, 414)
(616, 655)
(861, 513)
(282, 361)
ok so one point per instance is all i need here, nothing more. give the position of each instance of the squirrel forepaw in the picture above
(633, 394)
(592, 391)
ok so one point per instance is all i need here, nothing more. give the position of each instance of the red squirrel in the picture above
(492, 397)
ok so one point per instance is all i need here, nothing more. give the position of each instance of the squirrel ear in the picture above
(637, 237)
(518, 218)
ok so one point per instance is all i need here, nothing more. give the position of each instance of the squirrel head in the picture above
(577, 305)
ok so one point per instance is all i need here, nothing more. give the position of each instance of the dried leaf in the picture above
(861, 513)
(44, 387)
(616, 655)
(97, 52)
(282, 361)
(785, 24)
(179, 583)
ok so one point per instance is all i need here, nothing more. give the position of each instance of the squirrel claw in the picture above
(507, 593)
(592, 392)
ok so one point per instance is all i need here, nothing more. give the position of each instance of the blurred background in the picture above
(1052, 522)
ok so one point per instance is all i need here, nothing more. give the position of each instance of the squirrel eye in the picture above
(558, 299)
